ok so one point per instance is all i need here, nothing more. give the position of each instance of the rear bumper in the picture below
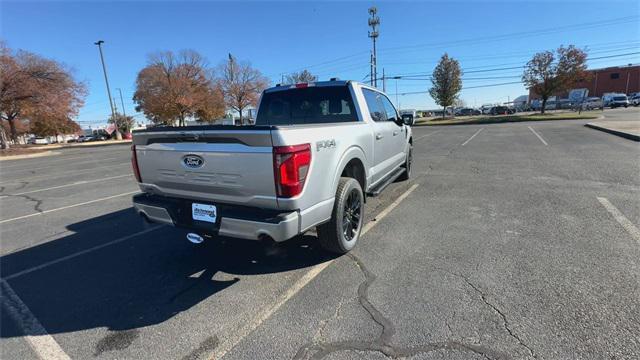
(232, 220)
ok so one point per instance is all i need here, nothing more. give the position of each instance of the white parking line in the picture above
(97, 161)
(621, 219)
(51, 176)
(429, 134)
(234, 340)
(43, 344)
(76, 254)
(538, 135)
(68, 207)
(472, 136)
(67, 185)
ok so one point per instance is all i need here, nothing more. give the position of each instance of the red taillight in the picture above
(134, 163)
(290, 167)
(301, 85)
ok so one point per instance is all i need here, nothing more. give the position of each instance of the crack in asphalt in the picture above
(505, 322)
(24, 184)
(324, 323)
(382, 344)
(38, 202)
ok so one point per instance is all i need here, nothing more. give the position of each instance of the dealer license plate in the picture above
(204, 212)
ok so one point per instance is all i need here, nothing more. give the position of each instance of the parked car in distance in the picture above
(314, 153)
(486, 108)
(635, 100)
(37, 140)
(468, 112)
(85, 138)
(615, 100)
(501, 110)
(592, 103)
(412, 112)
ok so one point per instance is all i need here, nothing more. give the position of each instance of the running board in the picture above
(390, 179)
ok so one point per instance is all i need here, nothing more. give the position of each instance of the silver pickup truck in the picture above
(314, 154)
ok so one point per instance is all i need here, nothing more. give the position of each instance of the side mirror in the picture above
(407, 119)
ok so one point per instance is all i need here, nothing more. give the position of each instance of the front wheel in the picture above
(341, 233)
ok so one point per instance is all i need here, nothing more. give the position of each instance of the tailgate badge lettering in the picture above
(193, 161)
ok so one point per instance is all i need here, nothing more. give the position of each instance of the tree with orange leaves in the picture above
(35, 89)
(174, 87)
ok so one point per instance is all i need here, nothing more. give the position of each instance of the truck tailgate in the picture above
(228, 166)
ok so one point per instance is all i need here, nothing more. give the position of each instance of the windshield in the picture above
(311, 105)
(620, 98)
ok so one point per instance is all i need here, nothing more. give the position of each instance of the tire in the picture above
(407, 165)
(334, 235)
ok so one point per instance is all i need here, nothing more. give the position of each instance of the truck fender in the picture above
(354, 152)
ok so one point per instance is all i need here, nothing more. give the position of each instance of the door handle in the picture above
(395, 133)
(379, 136)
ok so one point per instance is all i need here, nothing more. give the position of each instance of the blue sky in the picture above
(328, 38)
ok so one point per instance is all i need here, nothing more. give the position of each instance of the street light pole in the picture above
(106, 80)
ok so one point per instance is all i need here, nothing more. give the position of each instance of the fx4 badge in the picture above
(325, 144)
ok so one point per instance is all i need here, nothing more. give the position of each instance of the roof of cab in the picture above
(311, 84)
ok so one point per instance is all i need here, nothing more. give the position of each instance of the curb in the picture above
(89, 144)
(623, 134)
(28, 156)
(500, 121)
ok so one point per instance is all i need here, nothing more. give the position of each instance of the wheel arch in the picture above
(352, 164)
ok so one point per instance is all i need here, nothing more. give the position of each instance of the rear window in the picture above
(312, 105)
(620, 98)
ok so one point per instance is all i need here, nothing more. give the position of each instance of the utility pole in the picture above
(626, 90)
(122, 102)
(374, 21)
(106, 80)
(397, 102)
(384, 82)
(231, 79)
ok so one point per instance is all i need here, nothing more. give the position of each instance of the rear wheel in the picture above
(341, 233)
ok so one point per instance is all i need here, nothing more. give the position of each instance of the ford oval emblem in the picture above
(193, 161)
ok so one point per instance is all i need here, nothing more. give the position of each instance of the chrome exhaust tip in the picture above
(195, 238)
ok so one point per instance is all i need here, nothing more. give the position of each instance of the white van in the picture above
(614, 100)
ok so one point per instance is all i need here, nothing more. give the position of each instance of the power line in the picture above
(517, 67)
(522, 34)
(545, 31)
(464, 88)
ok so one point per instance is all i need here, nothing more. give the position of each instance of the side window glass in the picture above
(389, 109)
(374, 104)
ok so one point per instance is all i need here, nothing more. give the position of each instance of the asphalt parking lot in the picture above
(511, 241)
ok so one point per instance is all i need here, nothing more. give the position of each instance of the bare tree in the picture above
(35, 89)
(174, 87)
(446, 81)
(123, 123)
(545, 76)
(459, 103)
(301, 77)
(241, 84)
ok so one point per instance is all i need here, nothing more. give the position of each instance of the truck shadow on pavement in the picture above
(141, 281)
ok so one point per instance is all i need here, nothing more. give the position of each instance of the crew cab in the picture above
(314, 154)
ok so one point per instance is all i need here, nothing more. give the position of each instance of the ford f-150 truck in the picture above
(314, 154)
